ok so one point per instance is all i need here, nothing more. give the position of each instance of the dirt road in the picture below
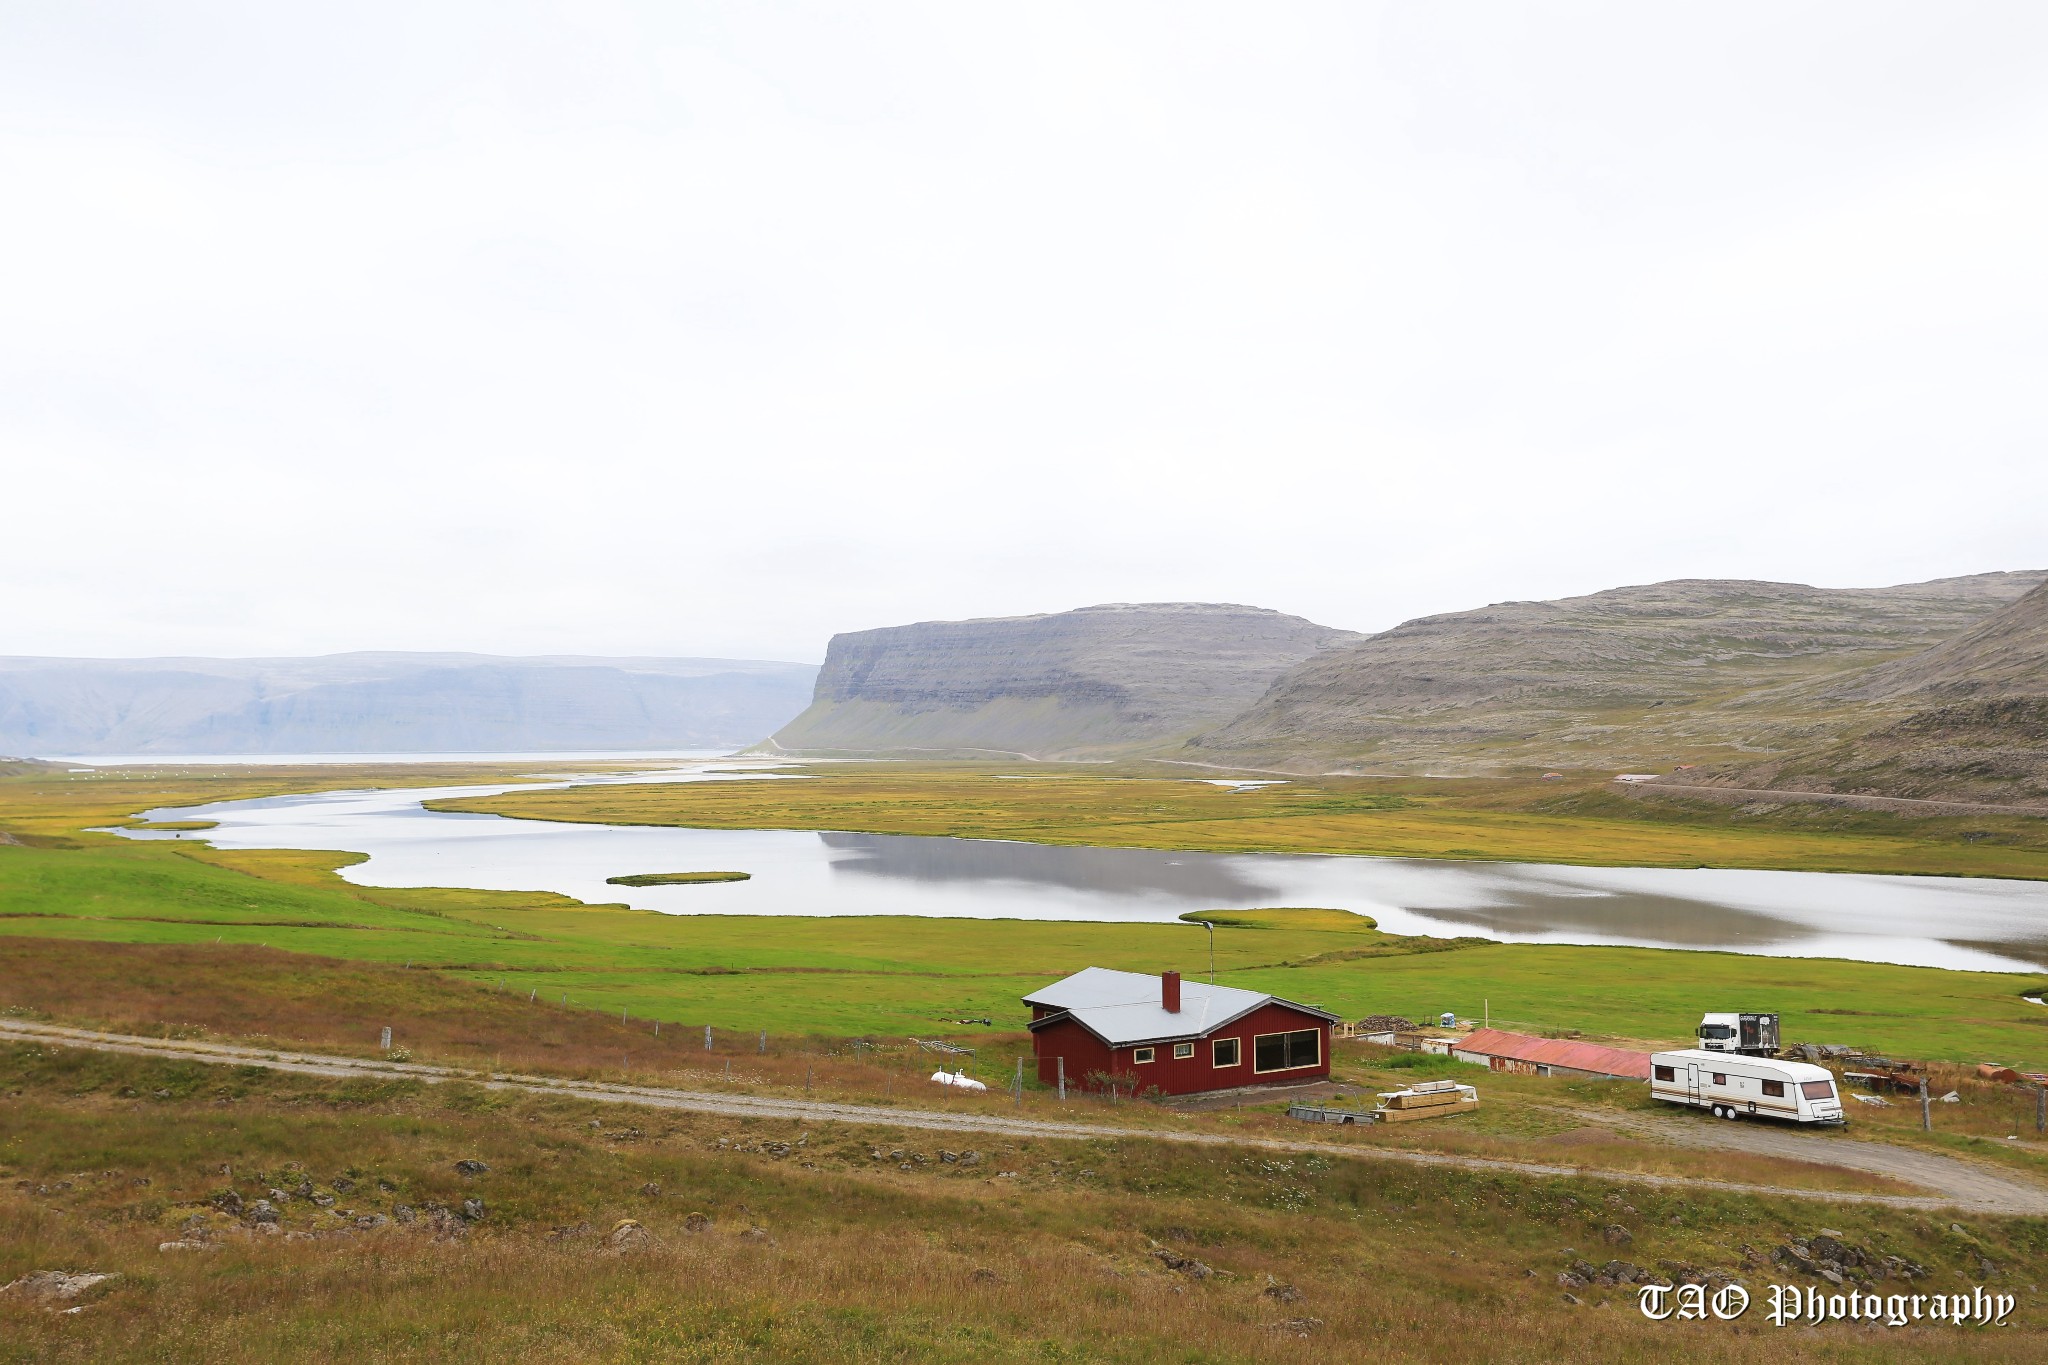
(1965, 1181)
(1954, 1183)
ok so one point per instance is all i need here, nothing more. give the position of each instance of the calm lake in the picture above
(1929, 921)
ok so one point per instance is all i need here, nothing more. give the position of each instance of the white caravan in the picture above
(1736, 1087)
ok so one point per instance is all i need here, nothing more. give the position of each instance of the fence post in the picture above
(807, 1078)
(764, 1042)
(1063, 1078)
(707, 1037)
(386, 1044)
(1018, 1085)
(2041, 1108)
(1926, 1108)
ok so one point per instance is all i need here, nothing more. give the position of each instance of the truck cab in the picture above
(1750, 1035)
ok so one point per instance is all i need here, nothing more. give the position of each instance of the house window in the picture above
(1141, 1055)
(1664, 1073)
(1287, 1051)
(1720, 1078)
(1775, 1089)
(1223, 1052)
(1181, 1050)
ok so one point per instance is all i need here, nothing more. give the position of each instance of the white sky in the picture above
(720, 328)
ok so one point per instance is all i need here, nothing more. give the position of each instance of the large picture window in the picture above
(1287, 1051)
(1223, 1052)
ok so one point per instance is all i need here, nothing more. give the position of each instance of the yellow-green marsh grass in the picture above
(1496, 819)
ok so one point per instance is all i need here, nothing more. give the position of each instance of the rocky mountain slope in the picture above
(1690, 670)
(1099, 680)
(1965, 720)
(390, 702)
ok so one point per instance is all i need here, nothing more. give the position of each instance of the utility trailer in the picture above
(1752, 1035)
(1736, 1087)
(1428, 1100)
(1321, 1113)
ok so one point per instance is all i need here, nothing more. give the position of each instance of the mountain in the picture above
(2006, 656)
(391, 702)
(1690, 669)
(1096, 681)
(1965, 720)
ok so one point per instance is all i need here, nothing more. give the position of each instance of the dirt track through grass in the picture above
(1958, 1183)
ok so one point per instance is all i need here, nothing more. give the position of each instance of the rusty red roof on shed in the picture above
(1605, 1061)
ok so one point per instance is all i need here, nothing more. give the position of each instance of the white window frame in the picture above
(1236, 1047)
(1182, 1051)
(1258, 1070)
(1141, 1056)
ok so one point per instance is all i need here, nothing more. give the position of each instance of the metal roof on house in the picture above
(1123, 1008)
(1520, 1047)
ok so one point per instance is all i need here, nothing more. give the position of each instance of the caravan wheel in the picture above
(1728, 1112)
(1717, 1111)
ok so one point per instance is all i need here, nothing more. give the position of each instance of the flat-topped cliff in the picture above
(1098, 680)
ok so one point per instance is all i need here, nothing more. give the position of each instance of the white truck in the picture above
(1753, 1035)
(1735, 1087)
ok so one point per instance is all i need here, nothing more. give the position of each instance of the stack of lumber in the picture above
(1429, 1100)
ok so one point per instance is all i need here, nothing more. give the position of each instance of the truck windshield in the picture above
(1716, 1031)
(1817, 1090)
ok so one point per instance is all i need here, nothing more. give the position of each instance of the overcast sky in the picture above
(718, 328)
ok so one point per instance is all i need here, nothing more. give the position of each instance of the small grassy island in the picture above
(676, 878)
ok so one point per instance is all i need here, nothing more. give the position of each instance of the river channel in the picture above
(1982, 924)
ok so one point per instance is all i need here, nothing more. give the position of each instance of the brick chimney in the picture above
(1169, 991)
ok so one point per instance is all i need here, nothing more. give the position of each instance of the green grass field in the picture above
(847, 976)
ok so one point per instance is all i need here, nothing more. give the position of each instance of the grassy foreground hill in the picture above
(766, 1241)
(848, 1241)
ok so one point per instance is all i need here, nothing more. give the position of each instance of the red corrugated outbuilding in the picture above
(1503, 1051)
(1159, 1033)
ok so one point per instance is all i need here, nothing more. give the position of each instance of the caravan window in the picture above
(1720, 1078)
(1775, 1088)
(1817, 1090)
(1664, 1073)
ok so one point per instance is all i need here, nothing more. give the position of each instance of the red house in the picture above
(1159, 1033)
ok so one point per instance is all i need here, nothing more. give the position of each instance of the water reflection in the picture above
(1199, 881)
